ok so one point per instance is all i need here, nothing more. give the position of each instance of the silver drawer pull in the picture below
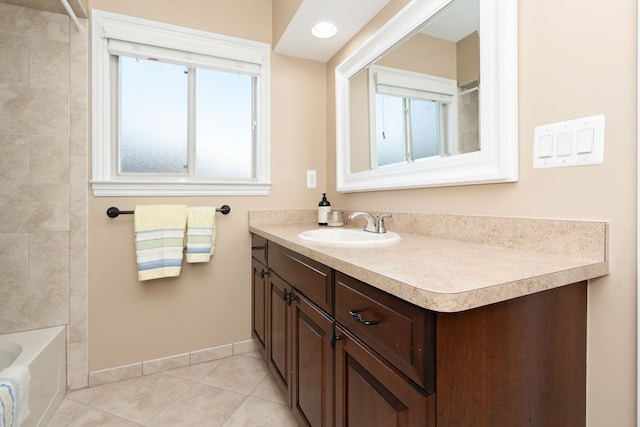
(356, 315)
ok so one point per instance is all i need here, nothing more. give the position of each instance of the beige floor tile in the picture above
(255, 354)
(258, 413)
(138, 399)
(74, 414)
(239, 373)
(268, 390)
(194, 372)
(201, 405)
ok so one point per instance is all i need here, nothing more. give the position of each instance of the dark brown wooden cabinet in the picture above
(300, 354)
(259, 305)
(259, 292)
(279, 335)
(312, 363)
(371, 393)
(349, 354)
(520, 362)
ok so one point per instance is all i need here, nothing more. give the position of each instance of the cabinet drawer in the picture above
(311, 278)
(259, 248)
(402, 333)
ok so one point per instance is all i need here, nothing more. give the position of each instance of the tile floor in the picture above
(235, 391)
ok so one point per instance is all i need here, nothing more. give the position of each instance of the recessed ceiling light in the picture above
(324, 30)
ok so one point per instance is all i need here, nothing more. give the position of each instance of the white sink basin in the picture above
(347, 237)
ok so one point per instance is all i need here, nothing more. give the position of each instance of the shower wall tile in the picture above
(49, 64)
(49, 204)
(49, 159)
(15, 208)
(78, 226)
(78, 183)
(14, 259)
(44, 90)
(36, 111)
(34, 208)
(14, 159)
(49, 255)
(14, 109)
(33, 24)
(33, 305)
(79, 93)
(78, 126)
(48, 111)
(14, 57)
(78, 265)
(78, 221)
(78, 365)
(78, 316)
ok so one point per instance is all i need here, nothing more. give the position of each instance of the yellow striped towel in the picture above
(159, 238)
(201, 234)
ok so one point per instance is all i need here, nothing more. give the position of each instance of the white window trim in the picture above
(104, 180)
(416, 85)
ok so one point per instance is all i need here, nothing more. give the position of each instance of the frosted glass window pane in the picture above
(390, 129)
(425, 128)
(153, 117)
(224, 129)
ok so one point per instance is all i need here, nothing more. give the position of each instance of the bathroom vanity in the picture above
(429, 331)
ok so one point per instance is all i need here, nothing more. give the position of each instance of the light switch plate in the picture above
(311, 179)
(578, 142)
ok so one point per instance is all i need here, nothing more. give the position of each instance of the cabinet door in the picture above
(370, 393)
(259, 305)
(312, 358)
(279, 332)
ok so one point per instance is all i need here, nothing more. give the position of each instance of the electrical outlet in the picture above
(311, 179)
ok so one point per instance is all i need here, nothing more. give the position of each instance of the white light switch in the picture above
(576, 142)
(585, 141)
(564, 143)
(546, 146)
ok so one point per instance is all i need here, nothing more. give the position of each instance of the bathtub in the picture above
(44, 352)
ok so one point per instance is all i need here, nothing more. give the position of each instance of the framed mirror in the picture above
(431, 99)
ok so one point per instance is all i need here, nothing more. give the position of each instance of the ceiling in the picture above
(348, 15)
(459, 19)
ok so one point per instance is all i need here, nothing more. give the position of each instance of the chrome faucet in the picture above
(373, 224)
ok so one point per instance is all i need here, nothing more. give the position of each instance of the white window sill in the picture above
(142, 188)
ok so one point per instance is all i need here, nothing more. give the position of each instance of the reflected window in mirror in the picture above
(415, 116)
(395, 131)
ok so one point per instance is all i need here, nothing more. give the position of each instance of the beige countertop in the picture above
(454, 263)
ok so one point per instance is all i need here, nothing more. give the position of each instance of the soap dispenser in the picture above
(323, 210)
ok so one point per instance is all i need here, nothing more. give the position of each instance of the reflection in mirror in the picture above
(422, 95)
(409, 115)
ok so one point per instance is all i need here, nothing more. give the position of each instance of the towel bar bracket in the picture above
(114, 212)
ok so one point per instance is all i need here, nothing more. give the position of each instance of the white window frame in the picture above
(409, 84)
(105, 180)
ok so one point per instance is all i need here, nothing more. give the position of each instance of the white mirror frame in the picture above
(497, 160)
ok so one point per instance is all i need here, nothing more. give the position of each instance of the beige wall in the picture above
(209, 304)
(283, 12)
(576, 59)
(468, 59)
(424, 54)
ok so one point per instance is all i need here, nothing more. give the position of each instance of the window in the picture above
(177, 111)
(415, 116)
